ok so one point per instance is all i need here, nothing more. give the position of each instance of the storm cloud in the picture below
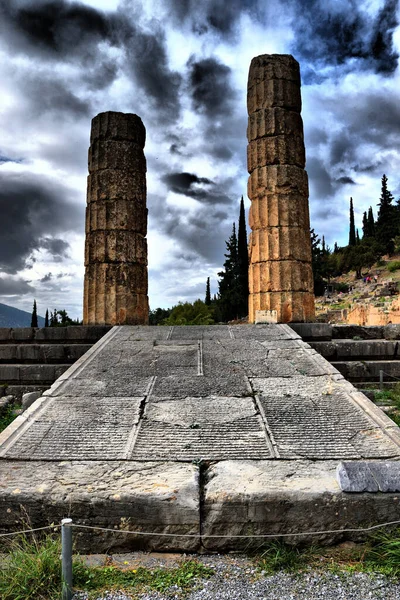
(32, 214)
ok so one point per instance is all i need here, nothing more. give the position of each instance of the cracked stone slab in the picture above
(159, 497)
(216, 384)
(369, 476)
(268, 497)
(201, 428)
(69, 429)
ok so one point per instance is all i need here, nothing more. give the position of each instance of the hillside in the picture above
(372, 302)
(14, 317)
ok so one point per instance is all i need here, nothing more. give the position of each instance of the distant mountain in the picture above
(13, 317)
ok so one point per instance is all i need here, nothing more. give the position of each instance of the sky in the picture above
(182, 66)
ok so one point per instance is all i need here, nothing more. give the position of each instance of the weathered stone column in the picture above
(115, 290)
(280, 274)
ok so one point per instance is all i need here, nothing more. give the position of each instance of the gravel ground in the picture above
(236, 579)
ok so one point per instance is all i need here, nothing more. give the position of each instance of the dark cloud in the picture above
(346, 180)
(70, 31)
(34, 210)
(210, 87)
(57, 247)
(213, 16)
(48, 277)
(328, 34)
(189, 184)
(6, 159)
(15, 287)
(46, 93)
(53, 27)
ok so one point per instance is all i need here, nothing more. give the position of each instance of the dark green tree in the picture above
(365, 224)
(243, 258)
(34, 319)
(371, 223)
(352, 230)
(357, 237)
(230, 299)
(158, 316)
(187, 313)
(208, 292)
(387, 221)
(46, 319)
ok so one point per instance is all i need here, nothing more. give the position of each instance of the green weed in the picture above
(393, 266)
(7, 416)
(278, 556)
(32, 571)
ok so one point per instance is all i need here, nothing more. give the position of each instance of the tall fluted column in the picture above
(280, 274)
(115, 290)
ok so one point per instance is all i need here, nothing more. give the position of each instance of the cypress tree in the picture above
(365, 224)
(34, 319)
(229, 289)
(46, 319)
(208, 293)
(386, 224)
(371, 223)
(243, 262)
(352, 232)
(357, 237)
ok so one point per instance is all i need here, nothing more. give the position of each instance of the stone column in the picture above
(280, 274)
(115, 290)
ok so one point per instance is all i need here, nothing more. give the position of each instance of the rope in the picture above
(392, 376)
(261, 535)
(30, 530)
(198, 535)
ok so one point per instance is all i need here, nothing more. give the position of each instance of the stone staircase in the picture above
(31, 359)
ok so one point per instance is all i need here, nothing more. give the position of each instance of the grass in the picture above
(32, 571)
(380, 554)
(7, 417)
(391, 396)
(393, 266)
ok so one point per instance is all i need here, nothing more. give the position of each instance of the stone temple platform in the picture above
(205, 432)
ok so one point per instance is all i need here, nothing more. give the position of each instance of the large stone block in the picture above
(118, 126)
(115, 246)
(273, 93)
(119, 156)
(276, 150)
(280, 275)
(116, 214)
(115, 294)
(290, 210)
(274, 66)
(278, 179)
(296, 306)
(116, 185)
(273, 121)
(279, 244)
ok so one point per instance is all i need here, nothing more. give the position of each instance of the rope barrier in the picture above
(199, 535)
(261, 535)
(30, 530)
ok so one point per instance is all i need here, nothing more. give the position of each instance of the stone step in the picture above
(52, 335)
(357, 349)
(41, 353)
(368, 370)
(31, 374)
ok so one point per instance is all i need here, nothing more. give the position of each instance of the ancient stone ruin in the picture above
(280, 274)
(115, 289)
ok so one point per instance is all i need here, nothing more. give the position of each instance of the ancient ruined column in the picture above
(280, 275)
(115, 290)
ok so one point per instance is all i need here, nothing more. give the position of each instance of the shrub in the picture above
(394, 266)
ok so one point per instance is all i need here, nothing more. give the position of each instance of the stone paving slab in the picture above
(233, 423)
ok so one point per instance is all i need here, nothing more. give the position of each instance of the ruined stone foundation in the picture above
(280, 274)
(115, 290)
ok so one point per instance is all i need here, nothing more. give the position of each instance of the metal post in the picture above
(66, 558)
(381, 380)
